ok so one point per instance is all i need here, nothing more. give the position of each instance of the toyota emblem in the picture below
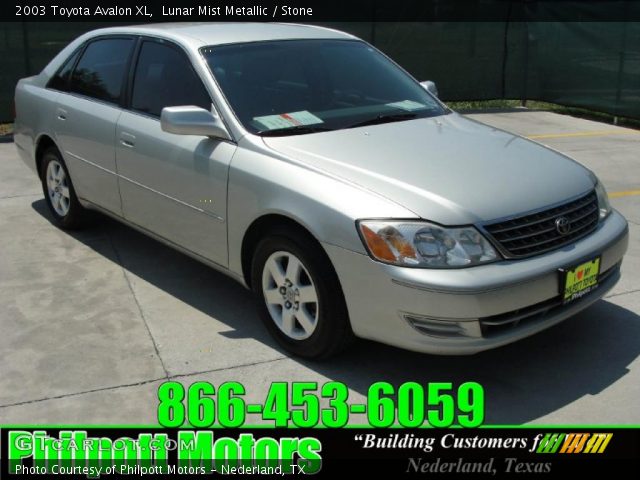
(563, 226)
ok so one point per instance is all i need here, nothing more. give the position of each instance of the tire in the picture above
(59, 192)
(306, 313)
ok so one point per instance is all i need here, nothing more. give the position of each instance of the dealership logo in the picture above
(572, 442)
(563, 226)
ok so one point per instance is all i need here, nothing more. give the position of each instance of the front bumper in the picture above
(464, 311)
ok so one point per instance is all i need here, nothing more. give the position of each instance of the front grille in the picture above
(537, 233)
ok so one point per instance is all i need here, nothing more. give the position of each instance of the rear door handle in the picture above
(127, 139)
(62, 114)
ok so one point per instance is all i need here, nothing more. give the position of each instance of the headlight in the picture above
(603, 200)
(422, 244)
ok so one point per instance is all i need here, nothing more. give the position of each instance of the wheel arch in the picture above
(267, 224)
(43, 143)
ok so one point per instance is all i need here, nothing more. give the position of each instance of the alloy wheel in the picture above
(58, 188)
(290, 295)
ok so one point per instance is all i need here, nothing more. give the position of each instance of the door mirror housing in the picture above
(430, 87)
(192, 120)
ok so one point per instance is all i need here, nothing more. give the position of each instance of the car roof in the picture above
(205, 34)
(193, 35)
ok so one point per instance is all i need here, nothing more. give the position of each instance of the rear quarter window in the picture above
(60, 81)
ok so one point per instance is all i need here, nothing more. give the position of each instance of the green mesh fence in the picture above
(594, 65)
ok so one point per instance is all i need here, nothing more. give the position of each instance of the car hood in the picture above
(447, 169)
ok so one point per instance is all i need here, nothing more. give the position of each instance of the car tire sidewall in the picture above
(75, 216)
(333, 329)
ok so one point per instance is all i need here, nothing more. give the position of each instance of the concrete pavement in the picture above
(92, 322)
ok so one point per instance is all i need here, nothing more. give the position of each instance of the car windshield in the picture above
(305, 86)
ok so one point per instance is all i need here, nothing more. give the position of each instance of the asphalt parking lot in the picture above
(92, 322)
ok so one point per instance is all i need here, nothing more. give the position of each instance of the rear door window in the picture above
(101, 70)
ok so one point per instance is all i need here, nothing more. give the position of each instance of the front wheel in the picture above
(300, 298)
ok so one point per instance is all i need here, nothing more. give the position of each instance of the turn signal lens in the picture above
(377, 246)
(388, 245)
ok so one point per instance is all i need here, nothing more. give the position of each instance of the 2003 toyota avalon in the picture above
(310, 167)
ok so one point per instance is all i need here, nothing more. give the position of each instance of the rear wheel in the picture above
(300, 298)
(59, 192)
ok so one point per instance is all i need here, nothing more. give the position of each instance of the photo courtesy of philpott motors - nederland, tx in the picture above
(198, 452)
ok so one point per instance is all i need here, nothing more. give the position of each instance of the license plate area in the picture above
(579, 280)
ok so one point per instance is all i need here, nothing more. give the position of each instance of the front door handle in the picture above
(127, 139)
(62, 114)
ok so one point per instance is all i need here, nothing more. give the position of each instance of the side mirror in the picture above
(192, 120)
(430, 87)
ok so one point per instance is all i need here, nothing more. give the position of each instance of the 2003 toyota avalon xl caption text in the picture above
(307, 165)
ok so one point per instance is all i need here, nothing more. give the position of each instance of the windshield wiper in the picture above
(295, 130)
(384, 118)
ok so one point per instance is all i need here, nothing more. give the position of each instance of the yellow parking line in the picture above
(628, 193)
(596, 133)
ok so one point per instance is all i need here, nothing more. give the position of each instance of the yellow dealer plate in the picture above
(580, 280)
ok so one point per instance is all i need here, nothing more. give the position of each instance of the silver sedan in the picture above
(311, 168)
